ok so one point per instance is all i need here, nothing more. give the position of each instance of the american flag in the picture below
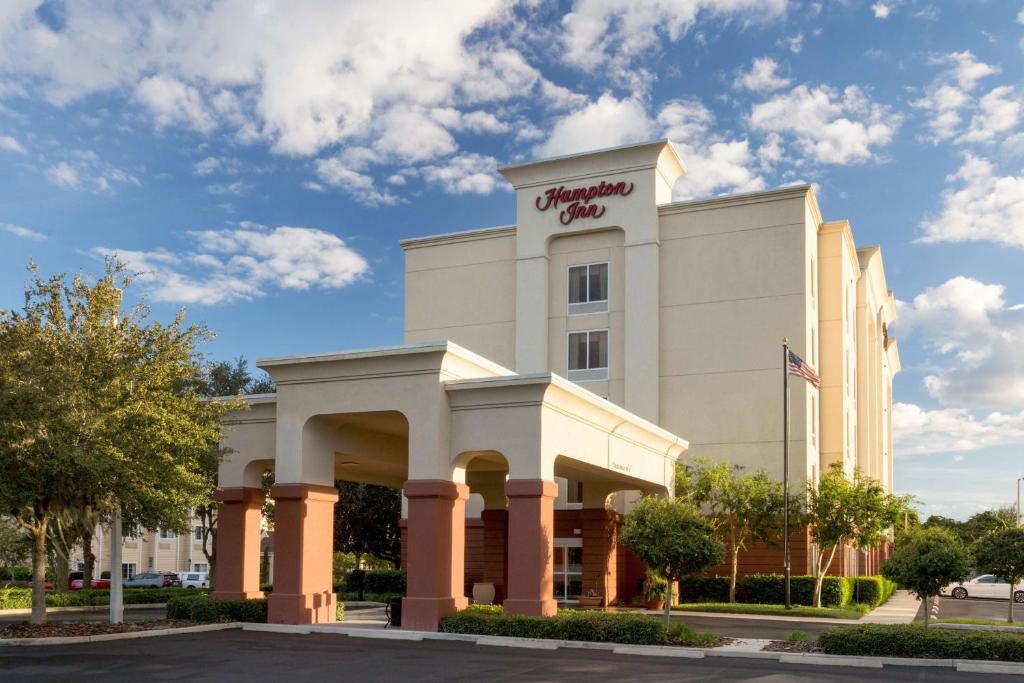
(797, 367)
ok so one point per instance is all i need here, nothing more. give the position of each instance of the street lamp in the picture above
(1018, 519)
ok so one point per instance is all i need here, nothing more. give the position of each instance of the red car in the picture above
(76, 584)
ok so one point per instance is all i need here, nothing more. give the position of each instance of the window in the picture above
(201, 567)
(132, 532)
(574, 493)
(127, 570)
(197, 533)
(167, 533)
(588, 355)
(588, 288)
(568, 568)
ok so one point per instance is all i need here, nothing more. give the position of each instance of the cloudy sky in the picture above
(260, 160)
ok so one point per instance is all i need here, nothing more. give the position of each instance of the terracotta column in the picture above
(496, 551)
(303, 544)
(531, 533)
(600, 542)
(436, 525)
(238, 543)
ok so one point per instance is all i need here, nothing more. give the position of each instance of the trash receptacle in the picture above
(395, 612)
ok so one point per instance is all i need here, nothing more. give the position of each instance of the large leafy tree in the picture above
(92, 408)
(977, 526)
(221, 379)
(672, 538)
(845, 510)
(366, 521)
(927, 560)
(747, 506)
(1002, 553)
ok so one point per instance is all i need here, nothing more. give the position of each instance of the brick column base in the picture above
(303, 545)
(238, 543)
(600, 544)
(531, 534)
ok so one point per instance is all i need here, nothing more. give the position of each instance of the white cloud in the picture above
(998, 111)
(829, 127)
(172, 102)
(599, 31)
(21, 231)
(948, 94)
(946, 430)
(210, 165)
(975, 342)
(465, 174)
(606, 122)
(236, 188)
(794, 44)
(881, 10)
(762, 77)
(11, 145)
(63, 175)
(335, 173)
(714, 165)
(981, 206)
(243, 263)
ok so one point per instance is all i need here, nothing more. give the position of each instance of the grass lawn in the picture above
(977, 622)
(852, 612)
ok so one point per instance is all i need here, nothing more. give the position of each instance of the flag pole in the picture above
(785, 468)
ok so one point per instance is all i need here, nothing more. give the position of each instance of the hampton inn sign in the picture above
(581, 198)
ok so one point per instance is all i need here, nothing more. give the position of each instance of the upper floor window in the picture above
(197, 533)
(167, 533)
(588, 355)
(588, 288)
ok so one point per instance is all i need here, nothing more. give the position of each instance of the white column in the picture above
(642, 337)
(532, 314)
(116, 601)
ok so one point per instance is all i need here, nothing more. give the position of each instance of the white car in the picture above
(987, 586)
(195, 580)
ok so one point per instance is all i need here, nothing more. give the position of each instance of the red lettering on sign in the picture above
(579, 198)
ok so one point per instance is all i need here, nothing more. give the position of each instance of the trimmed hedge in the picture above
(599, 627)
(914, 640)
(21, 598)
(706, 589)
(770, 589)
(872, 590)
(389, 581)
(204, 608)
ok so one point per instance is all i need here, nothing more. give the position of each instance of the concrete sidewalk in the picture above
(901, 608)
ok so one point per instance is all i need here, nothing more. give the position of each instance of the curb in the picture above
(981, 627)
(76, 640)
(763, 617)
(83, 608)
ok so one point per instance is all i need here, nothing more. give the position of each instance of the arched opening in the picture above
(486, 541)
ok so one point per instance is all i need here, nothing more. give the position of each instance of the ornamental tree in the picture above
(748, 507)
(1002, 553)
(95, 408)
(926, 561)
(366, 522)
(672, 538)
(841, 510)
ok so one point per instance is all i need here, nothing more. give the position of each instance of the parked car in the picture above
(986, 586)
(76, 584)
(195, 579)
(153, 580)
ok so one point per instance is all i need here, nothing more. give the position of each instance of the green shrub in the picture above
(600, 627)
(872, 590)
(770, 589)
(485, 609)
(797, 637)
(203, 608)
(686, 635)
(21, 598)
(914, 640)
(385, 581)
(339, 611)
(705, 589)
(15, 598)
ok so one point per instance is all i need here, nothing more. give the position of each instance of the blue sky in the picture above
(259, 161)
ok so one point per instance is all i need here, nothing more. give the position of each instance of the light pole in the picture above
(1019, 480)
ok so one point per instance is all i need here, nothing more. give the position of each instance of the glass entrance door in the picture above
(568, 569)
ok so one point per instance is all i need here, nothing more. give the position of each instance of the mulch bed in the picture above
(791, 646)
(66, 629)
(677, 643)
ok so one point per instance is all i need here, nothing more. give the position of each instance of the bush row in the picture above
(914, 640)
(204, 608)
(769, 589)
(21, 598)
(391, 581)
(599, 627)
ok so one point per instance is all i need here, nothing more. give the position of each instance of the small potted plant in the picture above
(591, 599)
(654, 591)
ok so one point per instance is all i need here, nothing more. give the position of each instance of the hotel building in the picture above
(584, 349)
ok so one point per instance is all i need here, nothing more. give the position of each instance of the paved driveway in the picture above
(246, 656)
(978, 608)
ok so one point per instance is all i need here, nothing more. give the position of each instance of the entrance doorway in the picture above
(568, 569)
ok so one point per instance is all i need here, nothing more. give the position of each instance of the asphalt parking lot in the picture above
(245, 656)
(978, 608)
